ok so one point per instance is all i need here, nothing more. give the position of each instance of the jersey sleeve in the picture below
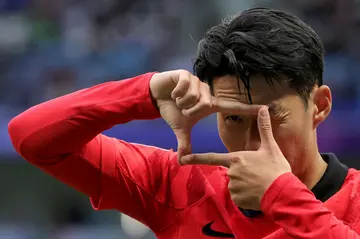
(295, 209)
(63, 138)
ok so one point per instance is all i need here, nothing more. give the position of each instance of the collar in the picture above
(333, 178)
(329, 184)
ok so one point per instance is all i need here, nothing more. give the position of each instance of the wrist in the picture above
(153, 100)
(274, 189)
(154, 86)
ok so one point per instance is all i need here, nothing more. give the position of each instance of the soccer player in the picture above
(261, 72)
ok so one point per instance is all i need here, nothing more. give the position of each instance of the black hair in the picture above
(272, 43)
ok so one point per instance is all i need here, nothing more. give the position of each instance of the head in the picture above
(270, 57)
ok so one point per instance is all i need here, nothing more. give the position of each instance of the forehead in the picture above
(261, 91)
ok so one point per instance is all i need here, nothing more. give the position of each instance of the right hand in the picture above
(183, 100)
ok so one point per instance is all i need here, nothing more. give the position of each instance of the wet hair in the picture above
(275, 44)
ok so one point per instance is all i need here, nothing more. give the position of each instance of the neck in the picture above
(315, 170)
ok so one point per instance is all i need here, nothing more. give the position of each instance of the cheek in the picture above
(233, 138)
(292, 140)
(288, 139)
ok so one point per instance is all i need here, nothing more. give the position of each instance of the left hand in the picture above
(250, 172)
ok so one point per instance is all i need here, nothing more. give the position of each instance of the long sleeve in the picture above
(63, 138)
(300, 215)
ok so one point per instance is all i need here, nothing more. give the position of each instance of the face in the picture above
(293, 124)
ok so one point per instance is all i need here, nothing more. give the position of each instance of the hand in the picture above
(183, 100)
(250, 172)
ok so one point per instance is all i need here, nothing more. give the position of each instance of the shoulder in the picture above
(351, 185)
(349, 198)
(353, 176)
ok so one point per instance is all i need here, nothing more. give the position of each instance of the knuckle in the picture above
(206, 103)
(206, 86)
(215, 102)
(183, 72)
(211, 159)
(182, 149)
(179, 93)
(265, 127)
(193, 96)
(235, 158)
(231, 175)
(195, 78)
(184, 80)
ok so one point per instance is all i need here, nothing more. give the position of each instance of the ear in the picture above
(322, 101)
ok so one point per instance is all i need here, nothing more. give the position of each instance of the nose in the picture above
(253, 141)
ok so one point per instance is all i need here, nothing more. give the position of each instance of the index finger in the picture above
(235, 107)
(212, 159)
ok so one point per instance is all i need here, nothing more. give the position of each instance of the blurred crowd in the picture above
(52, 47)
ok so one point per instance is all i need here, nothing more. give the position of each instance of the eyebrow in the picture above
(276, 108)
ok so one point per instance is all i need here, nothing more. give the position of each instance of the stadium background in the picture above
(52, 47)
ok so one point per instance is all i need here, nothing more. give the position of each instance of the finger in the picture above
(234, 107)
(264, 125)
(192, 96)
(213, 159)
(184, 142)
(182, 85)
(203, 106)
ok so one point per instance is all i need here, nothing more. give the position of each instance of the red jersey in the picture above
(63, 138)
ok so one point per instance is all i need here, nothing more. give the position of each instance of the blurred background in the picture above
(52, 47)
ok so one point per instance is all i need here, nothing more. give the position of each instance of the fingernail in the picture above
(264, 112)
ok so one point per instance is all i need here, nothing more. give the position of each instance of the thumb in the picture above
(265, 130)
(184, 142)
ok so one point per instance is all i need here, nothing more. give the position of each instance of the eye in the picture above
(234, 118)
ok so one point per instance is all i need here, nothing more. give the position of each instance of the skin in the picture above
(273, 136)
(294, 124)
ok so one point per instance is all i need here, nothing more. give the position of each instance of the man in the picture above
(264, 70)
